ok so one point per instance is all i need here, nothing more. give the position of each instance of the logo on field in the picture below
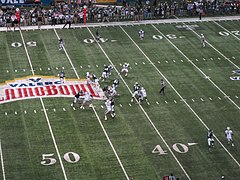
(46, 86)
(188, 27)
(236, 78)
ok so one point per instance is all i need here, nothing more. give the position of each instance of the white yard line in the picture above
(67, 56)
(1, 154)
(105, 132)
(227, 30)
(45, 113)
(177, 91)
(153, 125)
(205, 76)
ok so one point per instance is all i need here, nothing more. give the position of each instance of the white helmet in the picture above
(228, 128)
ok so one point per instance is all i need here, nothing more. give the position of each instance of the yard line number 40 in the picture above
(70, 157)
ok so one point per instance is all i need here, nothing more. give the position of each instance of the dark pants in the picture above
(67, 23)
(163, 90)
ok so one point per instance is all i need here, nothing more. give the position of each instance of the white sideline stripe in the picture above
(178, 92)
(196, 65)
(119, 161)
(227, 30)
(45, 113)
(1, 154)
(67, 55)
(170, 150)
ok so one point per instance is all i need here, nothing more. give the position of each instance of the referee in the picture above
(163, 87)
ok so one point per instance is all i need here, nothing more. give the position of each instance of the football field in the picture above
(43, 137)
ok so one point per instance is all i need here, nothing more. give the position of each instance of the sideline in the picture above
(130, 23)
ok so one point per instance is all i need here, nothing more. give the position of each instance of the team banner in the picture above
(46, 86)
(12, 2)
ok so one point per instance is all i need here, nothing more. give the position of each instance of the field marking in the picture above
(153, 125)
(119, 161)
(227, 30)
(1, 154)
(207, 77)
(45, 113)
(67, 55)
(177, 91)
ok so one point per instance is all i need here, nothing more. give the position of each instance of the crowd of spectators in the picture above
(56, 13)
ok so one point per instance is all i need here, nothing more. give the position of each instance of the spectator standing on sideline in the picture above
(68, 21)
(163, 87)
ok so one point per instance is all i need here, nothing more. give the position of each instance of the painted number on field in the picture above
(90, 41)
(178, 147)
(30, 44)
(70, 157)
(224, 33)
(169, 36)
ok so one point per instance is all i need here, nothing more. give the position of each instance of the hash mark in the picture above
(181, 60)
(89, 66)
(54, 110)
(174, 61)
(157, 102)
(120, 105)
(74, 108)
(166, 102)
(233, 57)
(210, 98)
(130, 104)
(143, 62)
(63, 68)
(211, 58)
(56, 68)
(80, 66)
(219, 98)
(196, 59)
(49, 69)
(204, 59)
(96, 65)
(15, 70)
(40, 69)
(102, 106)
(193, 100)
(219, 58)
(24, 70)
(175, 101)
(16, 112)
(202, 99)
(64, 109)
(7, 71)
(6, 113)
(25, 112)
(158, 62)
(35, 111)
(236, 97)
(166, 61)
(136, 63)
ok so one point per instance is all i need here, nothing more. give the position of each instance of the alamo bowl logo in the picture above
(46, 86)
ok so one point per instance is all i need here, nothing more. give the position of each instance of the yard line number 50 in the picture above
(70, 157)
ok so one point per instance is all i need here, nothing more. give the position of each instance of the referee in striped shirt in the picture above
(163, 87)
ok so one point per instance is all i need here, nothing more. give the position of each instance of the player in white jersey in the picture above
(105, 73)
(136, 91)
(61, 44)
(87, 100)
(210, 139)
(124, 69)
(202, 38)
(109, 108)
(143, 95)
(141, 34)
(229, 136)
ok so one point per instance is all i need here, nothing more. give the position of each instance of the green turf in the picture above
(136, 130)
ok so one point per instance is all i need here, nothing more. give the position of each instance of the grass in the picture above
(192, 104)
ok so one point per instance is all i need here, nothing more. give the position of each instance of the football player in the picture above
(77, 98)
(141, 34)
(115, 83)
(229, 136)
(61, 44)
(97, 35)
(163, 87)
(202, 38)
(136, 89)
(110, 68)
(109, 108)
(105, 73)
(210, 139)
(143, 95)
(124, 69)
(87, 100)
(61, 76)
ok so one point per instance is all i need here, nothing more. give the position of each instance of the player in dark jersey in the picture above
(210, 139)
(77, 98)
(97, 35)
(163, 87)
